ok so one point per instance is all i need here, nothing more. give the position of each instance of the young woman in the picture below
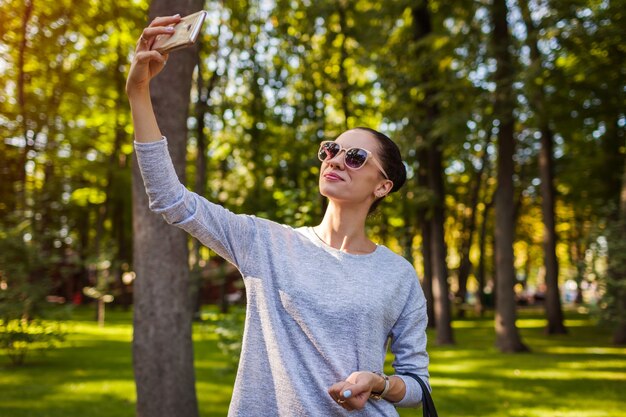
(323, 302)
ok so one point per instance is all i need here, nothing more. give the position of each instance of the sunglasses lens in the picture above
(355, 158)
(328, 151)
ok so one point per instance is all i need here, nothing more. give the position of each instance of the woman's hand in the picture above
(146, 63)
(353, 393)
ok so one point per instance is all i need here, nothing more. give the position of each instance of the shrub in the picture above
(24, 285)
(18, 336)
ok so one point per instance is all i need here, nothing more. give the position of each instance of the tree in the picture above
(534, 85)
(429, 111)
(507, 335)
(162, 344)
(616, 287)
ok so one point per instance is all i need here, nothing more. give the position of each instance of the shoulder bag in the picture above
(428, 406)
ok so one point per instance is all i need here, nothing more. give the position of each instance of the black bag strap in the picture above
(428, 406)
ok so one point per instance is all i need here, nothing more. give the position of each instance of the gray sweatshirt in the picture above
(314, 314)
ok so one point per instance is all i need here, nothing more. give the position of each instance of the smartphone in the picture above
(185, 34)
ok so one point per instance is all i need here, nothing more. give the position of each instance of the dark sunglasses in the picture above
(354, 158)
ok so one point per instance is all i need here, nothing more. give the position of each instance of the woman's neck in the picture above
(343, 228)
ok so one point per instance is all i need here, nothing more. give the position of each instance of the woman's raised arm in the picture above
(146, 65)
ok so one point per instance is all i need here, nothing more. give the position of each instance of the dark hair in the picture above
(391, 160)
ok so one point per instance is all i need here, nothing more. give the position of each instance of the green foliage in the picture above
(23, 290)
(229, 330)
(18, 337)
(65, 181)
(275, 78)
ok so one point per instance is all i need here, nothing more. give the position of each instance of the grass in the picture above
(576, 375)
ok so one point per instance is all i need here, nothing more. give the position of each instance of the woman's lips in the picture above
(332, 177)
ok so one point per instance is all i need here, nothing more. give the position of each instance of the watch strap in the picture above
(377, 396)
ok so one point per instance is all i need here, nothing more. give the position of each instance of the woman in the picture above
(323, 301)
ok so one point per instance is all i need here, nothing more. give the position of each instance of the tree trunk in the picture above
(577, 254)
(200, 185)
(162, 345)
(481, 300)
(344, 85)
(554, 312)
(422, 27)
(468, 235)
(507, 335)
(443, 321)
(424, 223)
(618, 267)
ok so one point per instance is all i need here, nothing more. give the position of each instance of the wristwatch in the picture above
(377, 396)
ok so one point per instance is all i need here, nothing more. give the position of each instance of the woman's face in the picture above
(342, 184)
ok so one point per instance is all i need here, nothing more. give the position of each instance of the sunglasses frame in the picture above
(370, 155)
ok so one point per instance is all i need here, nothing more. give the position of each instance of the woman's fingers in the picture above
(159, 26)
(337, 391)
(349, 395)
(146, 57)
(145, 65)
(149, 34)
(165, 20)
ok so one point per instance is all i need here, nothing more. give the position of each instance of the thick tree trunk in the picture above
(424, 224)
(162, 345)
(554, 312)
(422, 27)
(443, 315)
(507, 335)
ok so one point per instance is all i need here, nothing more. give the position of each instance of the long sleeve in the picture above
(230, 235)
(408, 344)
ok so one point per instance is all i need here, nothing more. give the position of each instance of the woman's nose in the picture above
(338, 159)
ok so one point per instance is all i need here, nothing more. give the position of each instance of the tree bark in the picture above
(162, 345)
(422, 27)
(424, 223)
(507, 335)
(468, 235)
(554, 311)
(481, 300)
(618, 267)
(344, 84)
(443, 314)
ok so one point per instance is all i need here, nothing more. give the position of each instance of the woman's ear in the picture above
(383, 188)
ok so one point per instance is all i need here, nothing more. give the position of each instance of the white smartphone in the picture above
(185, 34)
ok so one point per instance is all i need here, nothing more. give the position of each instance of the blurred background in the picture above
(510, 117)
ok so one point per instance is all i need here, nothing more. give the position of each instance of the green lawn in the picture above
(578, 375)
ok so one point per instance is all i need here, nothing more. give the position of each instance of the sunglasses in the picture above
(354, 158)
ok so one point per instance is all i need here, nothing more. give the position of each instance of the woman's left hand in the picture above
(353, 393)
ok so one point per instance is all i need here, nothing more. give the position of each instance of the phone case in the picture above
(185, 34)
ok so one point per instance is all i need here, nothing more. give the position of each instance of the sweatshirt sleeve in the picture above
(408, 344)
(228, 234)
